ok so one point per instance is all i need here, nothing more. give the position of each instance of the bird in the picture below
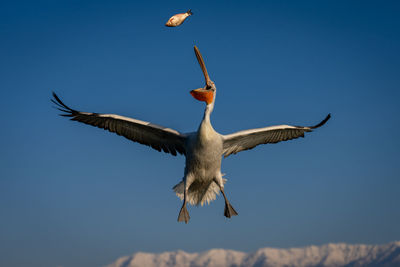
(203, 149)
(178, 19)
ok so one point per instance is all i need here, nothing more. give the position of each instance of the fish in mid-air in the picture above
(178, 19)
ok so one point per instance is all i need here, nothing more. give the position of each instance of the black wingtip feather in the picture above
(59, 102)
(62, 107)
(322, 122)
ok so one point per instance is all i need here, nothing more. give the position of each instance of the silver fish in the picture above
(178, 19)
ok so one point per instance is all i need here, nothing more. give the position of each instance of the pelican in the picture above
(203, 149)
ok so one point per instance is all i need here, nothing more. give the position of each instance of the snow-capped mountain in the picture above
(330, 255)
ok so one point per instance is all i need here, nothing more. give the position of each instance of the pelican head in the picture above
(207, 93)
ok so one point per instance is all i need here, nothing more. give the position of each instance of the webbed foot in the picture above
(229, 210)
(184, 215)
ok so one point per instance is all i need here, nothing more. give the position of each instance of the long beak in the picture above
(202, 65)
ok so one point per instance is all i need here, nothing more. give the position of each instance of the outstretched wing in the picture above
(248, 139)
(146, 133)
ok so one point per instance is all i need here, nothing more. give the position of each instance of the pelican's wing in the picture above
(146, 133)
(248, 139)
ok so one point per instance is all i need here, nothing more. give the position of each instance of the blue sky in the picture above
(74, 195)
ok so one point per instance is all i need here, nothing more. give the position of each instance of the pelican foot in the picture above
(229, 210)
(184, 215)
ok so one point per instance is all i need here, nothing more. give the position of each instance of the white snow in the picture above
(330, 255)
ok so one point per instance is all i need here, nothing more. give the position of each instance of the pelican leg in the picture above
(229, 211)
(184, 214)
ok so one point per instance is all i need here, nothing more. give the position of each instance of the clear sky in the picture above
(74, 195)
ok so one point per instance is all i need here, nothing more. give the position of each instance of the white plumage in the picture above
(203, 149)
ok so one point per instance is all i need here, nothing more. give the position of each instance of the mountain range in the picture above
(329, 255)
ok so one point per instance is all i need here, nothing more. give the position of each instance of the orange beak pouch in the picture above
(203, 95)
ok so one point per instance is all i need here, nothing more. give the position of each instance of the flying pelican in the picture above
(203, 149)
